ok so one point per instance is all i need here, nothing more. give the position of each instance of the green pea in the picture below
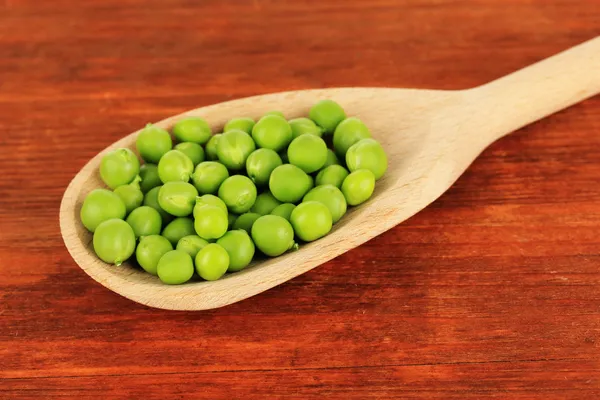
(284, 210)
(348, 132)
(303, 126)
(210, 222)
(192, 129)
(177, 198)
(101, 205)
(119, 167)
(131, 195)
(275, 112)
(331, 197)
(260, 164)
(242, 124)
(331, 159)
(149, 177)
(114, 241)
(191, 244)
(175, 267)
(311, 220)
(175, 166)
(273, 235)
(151, 200)
(272, 132)
(152, 143)
(289, 183)
(264, 204)
(327, 114)
(150, 250)
(308, 152)
(145, 221)
(208, 176)
(194, 151)
(332, 175)
(239, 247)
(239, 193)
(178, 228)
(233, 149)
(209, 200)
(211, 147)
(212, 262)
(367, 154)
(358, 186)
(245, 221)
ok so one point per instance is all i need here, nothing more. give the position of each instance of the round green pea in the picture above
(284, 210)
(238, 192)
(194, 151)
(245, 221)
(308, 152)
(131, 195)
(192, 129)
(178, 228)
(272, 132)
(331, 197)
(152, 143)
(175, 267)
(327, 114)
(210, 222)
(348, 132)
(119, 167)
(175, 166)
(149, 177)
(212, 262)
(145, 221)
(233, 149)
(239, 247)
(211, 147)
(101, 205)
(260, 164)
(191, 244)
(208, 176)
(150, 250)
(265, 203)
(114, 241)
(209, 200)
(367, 154)
(151, 200)
(311, 220)
(177, 198)
(303, 126)
(332, 175)
(332, 159)
(358, 186)
(273, 235)
(289, 183)
(242, 124)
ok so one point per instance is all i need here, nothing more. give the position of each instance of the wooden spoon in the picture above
(430, 136)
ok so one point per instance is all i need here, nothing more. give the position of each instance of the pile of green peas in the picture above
(205, 205)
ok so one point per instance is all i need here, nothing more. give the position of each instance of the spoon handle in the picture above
(525, 96)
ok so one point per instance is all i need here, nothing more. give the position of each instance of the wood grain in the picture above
(491, 292)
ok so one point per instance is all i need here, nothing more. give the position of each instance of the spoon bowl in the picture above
(430, 137)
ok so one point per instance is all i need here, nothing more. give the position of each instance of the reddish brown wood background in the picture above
(491, 292)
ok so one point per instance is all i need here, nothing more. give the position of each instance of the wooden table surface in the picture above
(491, 292)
